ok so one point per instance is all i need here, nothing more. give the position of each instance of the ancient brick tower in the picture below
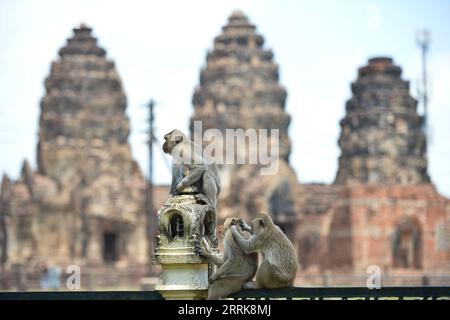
(85, 202)
(239, 84)
(383, 210)
(382, 140)
(83, 129)
(239, 88)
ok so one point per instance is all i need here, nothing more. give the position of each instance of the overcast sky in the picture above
(160, 46)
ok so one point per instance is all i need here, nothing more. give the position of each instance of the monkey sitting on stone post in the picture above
(235, 267)
(279, 261)
(191, 173)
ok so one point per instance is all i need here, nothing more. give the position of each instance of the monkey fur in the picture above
(235, 267)
(278, 267)
(191, 173)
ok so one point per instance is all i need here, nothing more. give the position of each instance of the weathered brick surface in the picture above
(362, 225)
(379, 214)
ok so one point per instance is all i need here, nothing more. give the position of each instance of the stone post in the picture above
(183, 221)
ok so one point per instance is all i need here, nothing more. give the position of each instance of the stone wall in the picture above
(398, 228)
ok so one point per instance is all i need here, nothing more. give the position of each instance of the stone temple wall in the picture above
(400, 227)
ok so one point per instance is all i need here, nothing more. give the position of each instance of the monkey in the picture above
(278, 267)
(235, 267)
(191, 173)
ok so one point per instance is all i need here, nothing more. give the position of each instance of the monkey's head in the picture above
(172, 139)
(261, 222)
(232, 221)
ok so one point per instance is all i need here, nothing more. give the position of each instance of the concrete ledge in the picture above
(283, 293)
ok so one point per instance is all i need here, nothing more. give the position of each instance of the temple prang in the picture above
(382, 140)
(382, 209)
(85, 202)
(239, 89)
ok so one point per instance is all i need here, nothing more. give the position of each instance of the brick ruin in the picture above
(85, 201)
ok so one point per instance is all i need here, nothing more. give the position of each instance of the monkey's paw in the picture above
(201, 198)
(180, 187)
(199, 250)
(244, 225)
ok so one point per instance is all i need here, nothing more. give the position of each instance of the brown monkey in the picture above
(191, 173)
(279, 261)
(235, 267)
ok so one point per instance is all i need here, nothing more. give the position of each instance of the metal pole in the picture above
(423, 40)
(425, 83)
(151, 217)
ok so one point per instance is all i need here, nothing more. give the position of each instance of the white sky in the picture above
(160, 46)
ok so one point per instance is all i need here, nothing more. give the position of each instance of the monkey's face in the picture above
(261, 222)
(233, 221)
(171, 140)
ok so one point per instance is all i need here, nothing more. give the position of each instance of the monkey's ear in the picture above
(178, 139)
(262, 223)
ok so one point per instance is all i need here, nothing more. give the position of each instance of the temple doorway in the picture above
(407, 245)
(110, 247)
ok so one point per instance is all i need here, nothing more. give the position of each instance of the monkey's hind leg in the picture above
(224, 287)
(270, 277)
